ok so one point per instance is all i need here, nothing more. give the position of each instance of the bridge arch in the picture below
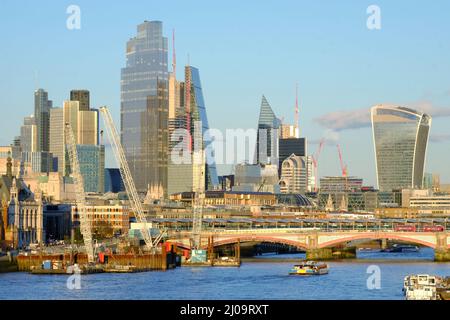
(377, 236)
(242, 239)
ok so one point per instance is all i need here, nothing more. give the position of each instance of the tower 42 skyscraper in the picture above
(400, 138)
(144, 106)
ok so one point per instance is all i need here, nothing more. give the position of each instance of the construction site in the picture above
(150, 252)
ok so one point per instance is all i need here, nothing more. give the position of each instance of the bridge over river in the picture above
(318, 238)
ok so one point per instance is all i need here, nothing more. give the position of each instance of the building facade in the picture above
(28, 135)
(294, 175)
(113, 180)
(289, 146)
(92, 167)
(83, 97)
(400, 140)
(144, 106)
(116, 217)
(42, 108)
(267, 135)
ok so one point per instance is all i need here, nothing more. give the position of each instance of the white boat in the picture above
(420, 287)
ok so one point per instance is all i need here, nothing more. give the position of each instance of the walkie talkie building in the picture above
(400, 138)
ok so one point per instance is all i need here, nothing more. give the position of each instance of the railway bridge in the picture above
(318, 244)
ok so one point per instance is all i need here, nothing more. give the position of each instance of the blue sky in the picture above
(244, 49)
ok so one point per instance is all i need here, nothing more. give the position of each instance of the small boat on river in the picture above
(309, 268)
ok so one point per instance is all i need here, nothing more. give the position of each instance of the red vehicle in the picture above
(433, 228)
(405, 228)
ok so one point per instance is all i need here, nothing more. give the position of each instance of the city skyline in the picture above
(342, 115)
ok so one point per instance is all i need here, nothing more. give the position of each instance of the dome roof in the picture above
(293, 199)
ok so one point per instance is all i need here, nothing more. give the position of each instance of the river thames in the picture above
(266, 278)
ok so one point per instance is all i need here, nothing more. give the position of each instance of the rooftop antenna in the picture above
(297, 129)
(174, 56)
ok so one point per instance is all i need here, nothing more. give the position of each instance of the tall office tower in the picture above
(184, 177)
(82, 96)
(289, 146)
(88, 127)
(92, 167)
(85, 127)
(42, 108)
(267, 135)
(57, 141)
(197, 108)
(400, 139)
(28, 135)
(144, 106)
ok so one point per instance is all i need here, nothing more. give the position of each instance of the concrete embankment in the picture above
(110, 263)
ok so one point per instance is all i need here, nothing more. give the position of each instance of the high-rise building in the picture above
(28, 135)
(294, 174)
(183, 177)
(113, 180)
(289, 146)
(42, 108)
(85, 127)
(57, 141)
(144, 106)
(400, 140)
(267, 135)
(82, 96)
(37, 162)
(92, 167)
(198, 113)
(88, 127)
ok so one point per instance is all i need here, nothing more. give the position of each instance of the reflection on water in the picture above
(260, 280)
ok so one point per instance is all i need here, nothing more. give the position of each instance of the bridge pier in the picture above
(335, 253)
(442, 251)
(442, 255)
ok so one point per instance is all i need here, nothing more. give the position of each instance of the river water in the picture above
(264, 279)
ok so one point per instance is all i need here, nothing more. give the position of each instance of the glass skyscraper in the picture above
(144, 106)
(400, 139)
(267, 135)
(42, 108)
(92, 167)
(183, 177)
(198, 112)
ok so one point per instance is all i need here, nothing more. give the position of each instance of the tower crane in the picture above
(315, 160)
(85, 226)
(199, 185)
(343, 166)
(130, 187)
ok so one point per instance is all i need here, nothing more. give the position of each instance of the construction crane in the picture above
(296, 126)
(198, 171)
(85, 226)
(133, 196)
(315, 160)
(343, 166)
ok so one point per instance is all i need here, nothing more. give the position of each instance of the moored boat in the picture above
(309, 268)
(421, 287)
